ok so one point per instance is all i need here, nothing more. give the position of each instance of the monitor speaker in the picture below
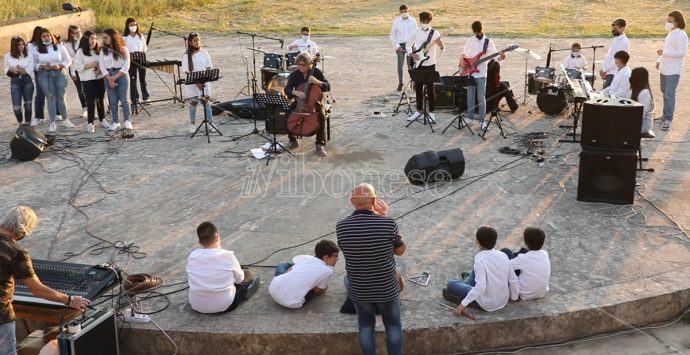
(612, 124)
(607, 176)
(27, 143)
(435, 166)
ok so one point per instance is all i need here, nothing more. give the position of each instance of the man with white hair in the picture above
(15, 263)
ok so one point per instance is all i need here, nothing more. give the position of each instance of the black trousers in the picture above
(430, 93)
(80, 91)
(135, 70)
(94, 90)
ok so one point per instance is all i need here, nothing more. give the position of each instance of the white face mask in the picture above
(576, 54)
(405, 15)
(669, 26)
(305, 37)
(48, 42)
(132, 29)
(424, 26)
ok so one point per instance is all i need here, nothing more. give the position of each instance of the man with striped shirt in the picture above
(368, 241)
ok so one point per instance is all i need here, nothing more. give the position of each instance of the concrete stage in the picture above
(613, 267)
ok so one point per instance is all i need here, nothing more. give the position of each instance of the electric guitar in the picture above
(469, 65)
(424, 51)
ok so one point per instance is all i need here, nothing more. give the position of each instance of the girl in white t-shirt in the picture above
(197, 59)
(19, 66)
(87, 67)
(135, 42)
(640, 92)
(72, 45)
(51, 63)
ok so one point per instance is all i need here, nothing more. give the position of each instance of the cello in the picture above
(303, 121)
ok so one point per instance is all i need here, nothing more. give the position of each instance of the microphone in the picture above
(148, 35)
(548, 56)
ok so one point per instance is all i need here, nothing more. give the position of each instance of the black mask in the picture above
(479, 37)
(615, 33)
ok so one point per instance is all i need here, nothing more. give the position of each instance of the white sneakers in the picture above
(484, 125)
(105, 124)
(35, 122)
(192, 128)
(52, 127)
(58, 118)
(414, 116)
(84, 113)
(128, 124)
(67, 123)
(90, 128)
(114, 126)
(432, 117)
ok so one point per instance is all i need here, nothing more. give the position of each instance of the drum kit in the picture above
(275, 71)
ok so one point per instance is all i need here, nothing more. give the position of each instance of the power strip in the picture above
(136, 318)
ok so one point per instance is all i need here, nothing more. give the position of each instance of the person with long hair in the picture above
(197, 59)
(19, 66)
(72, 45)
(40, 99)
(671, 62)
(640, 92)
(113, 61)
(135, 42)
(87, 67)
(52, 61)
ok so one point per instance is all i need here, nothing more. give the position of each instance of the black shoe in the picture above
(293, 144)
(448, 296)
(348, 307)
(400, 86)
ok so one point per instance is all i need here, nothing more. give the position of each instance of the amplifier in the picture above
(445, 96)
(98, 335)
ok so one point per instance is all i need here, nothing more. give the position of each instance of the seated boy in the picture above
(532, 265)
(492, 282)
(217, 283)
(296, 284)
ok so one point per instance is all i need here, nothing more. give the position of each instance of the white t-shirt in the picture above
(135, 43)
(24, 62)
(417, 40)
(574, 61)
(289, 289)
(201, 61)
(620, 86)
(474, 46)
(212, 274)
(672, 61)
(308, 46)
(535, 271)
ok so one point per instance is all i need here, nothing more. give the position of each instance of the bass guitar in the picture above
(470, 65)
(423, 52)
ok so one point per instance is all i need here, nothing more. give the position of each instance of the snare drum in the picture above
(545, 74)
(273, 62)
(534, 86)
(574, 73)
(551, 100)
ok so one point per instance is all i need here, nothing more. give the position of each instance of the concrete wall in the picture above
(57, 24)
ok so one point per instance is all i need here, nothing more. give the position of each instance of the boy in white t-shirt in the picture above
(532, 265)
(217, 282)
(296, 284)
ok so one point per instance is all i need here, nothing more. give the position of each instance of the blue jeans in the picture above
(53, 84)
(401, 65)
(283, 267)
(481, 99)
(669, 84)
(608, 81)
(366, 318)
(192, 111)
(8, 341)
(118, 94)
(22, 88)
(461, 288)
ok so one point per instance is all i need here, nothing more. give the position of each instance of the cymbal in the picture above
(527, 53)
(327, 57)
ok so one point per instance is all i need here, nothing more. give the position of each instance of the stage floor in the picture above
(612, 266)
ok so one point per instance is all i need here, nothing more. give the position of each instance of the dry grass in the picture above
(516, 18)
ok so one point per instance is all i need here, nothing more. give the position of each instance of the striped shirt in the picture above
(367, 242)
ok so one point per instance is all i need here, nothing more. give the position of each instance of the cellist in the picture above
(307, 72)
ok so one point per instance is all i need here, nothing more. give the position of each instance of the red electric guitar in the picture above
(469, 65)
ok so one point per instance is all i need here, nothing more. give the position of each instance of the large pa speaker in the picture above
(607, 176)
(612, 124)
(435, 166)
(27, 143)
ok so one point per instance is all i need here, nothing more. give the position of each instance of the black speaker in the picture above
(281, 116)
(434, 166)
(612, 124)
(27, 143)
(607, 176)
(445, 96)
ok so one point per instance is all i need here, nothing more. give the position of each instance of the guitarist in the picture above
(424, 37)
(306, 71)
(474, 45)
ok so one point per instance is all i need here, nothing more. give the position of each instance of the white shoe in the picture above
(468, 121)
(484, 126)
(52, 127)
(192, 128)
(414, 116)
(35, 122)
(105, 124)
(578, 130)
(432, 117)
(90, 128)
(128, 124)
(114, 126)
(84, 113)
(67, 123)
(58, 118)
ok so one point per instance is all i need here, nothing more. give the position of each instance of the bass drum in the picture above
(277, 84)
(551, 100)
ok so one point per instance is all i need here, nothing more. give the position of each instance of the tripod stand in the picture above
(427, 77)
(203, 77)
(277, 100)
(496, 117)
(459, 83)
(139, 59)
(404, 97)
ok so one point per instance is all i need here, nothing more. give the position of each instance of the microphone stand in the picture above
(254, 87)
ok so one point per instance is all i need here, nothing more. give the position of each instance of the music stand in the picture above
(203, 77)
(138, 58)
(263, 100)
(427, 77)
(462, 82)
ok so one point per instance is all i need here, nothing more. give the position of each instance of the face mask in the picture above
(132, 29)
(576, 54)
(305, 37)
(48, 42)
(479, 36)
(615, 33)
(405, 15)
(669, 26)
(424, 26)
